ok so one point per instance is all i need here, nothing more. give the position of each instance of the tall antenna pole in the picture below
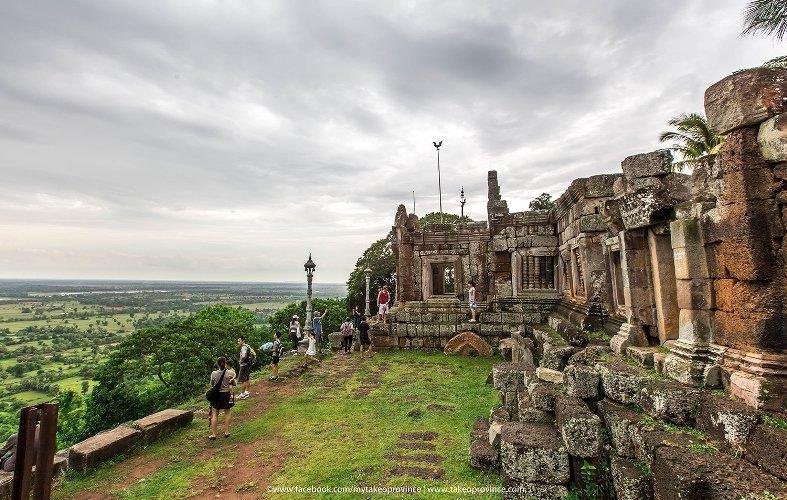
(439, 181)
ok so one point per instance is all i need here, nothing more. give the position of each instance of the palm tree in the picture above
(768, 17)
(694, 139)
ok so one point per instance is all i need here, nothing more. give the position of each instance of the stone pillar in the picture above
(636, 290)
(692, 359)
(663, 281)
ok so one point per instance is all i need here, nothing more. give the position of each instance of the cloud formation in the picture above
(227, 140)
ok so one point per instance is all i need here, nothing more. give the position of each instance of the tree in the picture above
(337, 312)
(380, 259)
(435, 218)
(85, 386)
(542, 202)
(153, 368)
(768, 17)
(693, 140)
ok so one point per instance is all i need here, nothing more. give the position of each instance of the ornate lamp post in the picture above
(462, 200)
(309, 267)
(368, 273)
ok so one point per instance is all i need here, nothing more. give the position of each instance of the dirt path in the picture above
(247, 476)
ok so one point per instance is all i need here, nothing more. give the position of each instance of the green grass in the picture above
(332, 435)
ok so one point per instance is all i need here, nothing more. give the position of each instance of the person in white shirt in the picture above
(311, 351)
(295, 332)
(471, 298)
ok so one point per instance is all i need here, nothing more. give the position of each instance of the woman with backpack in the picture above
(347, 336)
(220, 396)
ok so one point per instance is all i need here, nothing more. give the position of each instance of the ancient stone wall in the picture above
(689, 264)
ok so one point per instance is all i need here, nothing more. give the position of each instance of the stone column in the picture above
(692, 359)
(636, 290)
(663, 281)
(367, 310)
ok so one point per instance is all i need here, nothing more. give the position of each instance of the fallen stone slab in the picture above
(480, 428)
(670, 401)
(621, 382)
(631, 479)
(533, 453)
(579, 427)
(6, 479)
(468, 343)
(153, 426)
(556, 357)
(549, 375)
(483, 455)
(590, 355)
(654, 164)
(680, 472)
(621, 421)
(101, 447)
(581, 381)
(767, 447)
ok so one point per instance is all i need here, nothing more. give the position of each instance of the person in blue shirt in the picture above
(317, 327)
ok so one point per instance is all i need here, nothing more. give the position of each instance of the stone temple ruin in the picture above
(643, 317)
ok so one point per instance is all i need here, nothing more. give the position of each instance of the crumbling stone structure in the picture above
(686, 272)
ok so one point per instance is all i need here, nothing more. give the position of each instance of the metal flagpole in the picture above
(439, 181)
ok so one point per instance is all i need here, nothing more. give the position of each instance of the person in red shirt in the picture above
(382, 303)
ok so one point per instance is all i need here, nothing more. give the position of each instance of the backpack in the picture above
(252, 356)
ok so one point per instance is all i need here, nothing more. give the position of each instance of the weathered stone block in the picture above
(695, 325)
(727, 420)
(581, 381)
(590, 355)
(549, 375)
(483, 455)
(766, 447)
(690, 262)
(680, 472)
(695, 294)
(533, 453)
(620, 421)
(579, 427)
(508, 377)
(555, 357)
(101, 447)
(631, 479)
(620, 382)
(642, 355)
(467, 343)
(543, 394)
(670, 401)
(656, 163)
(772, 138)
(153, 426)
(746, 98)
(529, 413)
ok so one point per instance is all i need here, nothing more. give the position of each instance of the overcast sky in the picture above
(227, 140)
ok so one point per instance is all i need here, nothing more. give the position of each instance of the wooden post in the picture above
(42, 490)
(25, 454)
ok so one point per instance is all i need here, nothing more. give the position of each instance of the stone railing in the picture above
(108, 444)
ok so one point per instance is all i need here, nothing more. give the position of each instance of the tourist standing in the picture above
(382, 303)
(364, 336)
(347, 336)
(244, 366)
(224, 378)
(295, 332)
(472, 301)
(356, 317)
(311, 351)
(275, 355)
(317, 328)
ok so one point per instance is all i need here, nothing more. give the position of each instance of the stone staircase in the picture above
(585, 421)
